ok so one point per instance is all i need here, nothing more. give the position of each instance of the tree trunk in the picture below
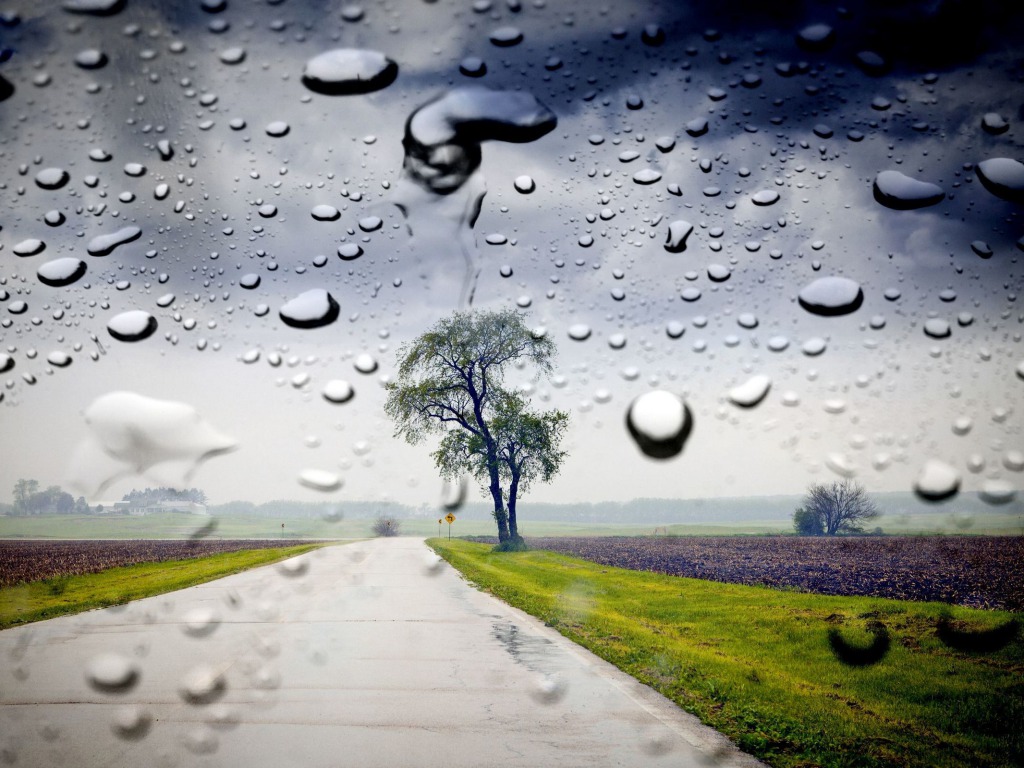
(513, 489)
(499, 507)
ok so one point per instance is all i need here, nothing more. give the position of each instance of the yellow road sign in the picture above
(439, 521)
(450, 518)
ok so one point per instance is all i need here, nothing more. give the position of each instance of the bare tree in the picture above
(386, 525)
(841, 506)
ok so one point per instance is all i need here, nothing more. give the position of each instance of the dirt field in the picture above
(27, 561)
(977, 571)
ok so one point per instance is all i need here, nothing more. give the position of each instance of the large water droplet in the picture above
(103, 245)
(831, 296)
(347, 71)
(320, 480)
(1003, 177)
(751, 392)
(659, 422)
(200, 621)
(937, 481)
(313, 309)
(131, 722)
(52, 178)
(133, 325)
(902, 193)
(133, 432)
(61, 271)
(112, 673)
(338, 391)
(202, 685)
(678, 232)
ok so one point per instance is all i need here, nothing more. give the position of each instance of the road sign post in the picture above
(451, 519)
(439, 521)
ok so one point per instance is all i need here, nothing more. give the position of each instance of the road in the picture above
(367, 654)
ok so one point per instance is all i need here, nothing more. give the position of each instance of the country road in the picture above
(367, 654)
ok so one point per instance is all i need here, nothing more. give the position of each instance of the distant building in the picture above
(156, 507)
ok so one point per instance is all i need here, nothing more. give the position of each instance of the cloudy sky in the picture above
(814, 122)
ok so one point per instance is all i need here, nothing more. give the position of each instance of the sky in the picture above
(883, 400)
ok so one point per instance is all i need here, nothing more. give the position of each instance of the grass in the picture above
(63, 595)
(755, 663)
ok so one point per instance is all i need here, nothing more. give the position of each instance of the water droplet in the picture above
(937, 481)
(320, 480)
(234, 55)
(133, 325)
(718, 273)
(1003, 177)
(365, 363)
(646, 176)
(325, 213)
(59, 359)
(338, 391)
(831, 296)
(94, 7)
(697, 127)
(29, 247)
(294, 567)
(60, 272)
(138, 432)
(765, 197)
(370, 223)
(200, 621)
(473, 66)
(678, 232)
(314, 308)
(277, 129)
(994, 123)
(937, 328)
(998, 492)
(349, 71)
(202, 685)
(131, 722)
(112, 673)
(659, 422)
(524, 184)
(751, 392)
(52, 178)
(579, 332)
(816, 37)
(103, 245)
(349, 251)
(814, 346)
(1014, 461)
(902, 193)
(505, 37)
(548, 689)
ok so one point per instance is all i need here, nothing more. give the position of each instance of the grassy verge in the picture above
(756, 663)
(46, 599)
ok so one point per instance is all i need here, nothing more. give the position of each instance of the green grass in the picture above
(755, 662)
(58, 596)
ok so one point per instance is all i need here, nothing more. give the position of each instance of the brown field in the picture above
(27, 561)
(976, 571)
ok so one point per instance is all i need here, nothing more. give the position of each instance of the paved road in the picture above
(367, 654)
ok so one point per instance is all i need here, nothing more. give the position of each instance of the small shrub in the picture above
(387, 525)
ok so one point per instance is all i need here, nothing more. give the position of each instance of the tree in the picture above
(450, 377)
(807, 522)
(386, 525)
(23, 489)
(527, 449)
(838, 507)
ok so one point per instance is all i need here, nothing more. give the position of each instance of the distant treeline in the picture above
(638, 511)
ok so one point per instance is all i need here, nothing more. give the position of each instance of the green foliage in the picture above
(63, 595)
(449, 382)
(516, 544)
(807, 522)
(756, 663)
